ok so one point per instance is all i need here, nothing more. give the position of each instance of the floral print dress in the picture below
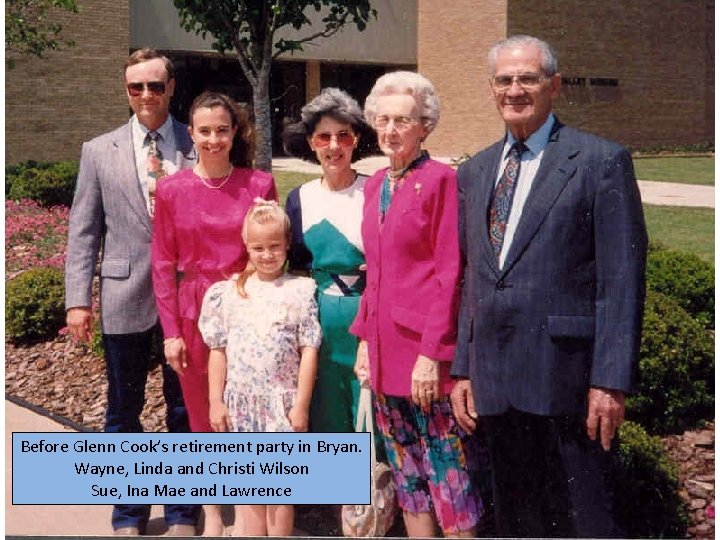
(262, 336)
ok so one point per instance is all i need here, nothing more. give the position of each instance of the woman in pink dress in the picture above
(196, 241)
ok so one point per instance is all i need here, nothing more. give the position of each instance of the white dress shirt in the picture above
(529, 165)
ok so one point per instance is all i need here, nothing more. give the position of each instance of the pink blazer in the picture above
(410, 304)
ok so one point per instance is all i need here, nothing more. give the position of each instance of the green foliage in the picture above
(96, 342)
(49, 184)
(677, 364)
(646, 487)
(248, 27)
(29, 28)
(34, 305)
(14, 171)
(701, 147)
(687, 279)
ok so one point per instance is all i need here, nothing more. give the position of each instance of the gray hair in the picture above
(338, 105)
(549, 61)
(406, 82)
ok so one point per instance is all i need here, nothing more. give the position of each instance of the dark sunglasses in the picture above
(344, 138)
(156, 88)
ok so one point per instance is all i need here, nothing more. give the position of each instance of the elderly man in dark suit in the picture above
(554, 246)
(111, 213)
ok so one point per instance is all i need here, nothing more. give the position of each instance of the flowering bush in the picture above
(34, 236)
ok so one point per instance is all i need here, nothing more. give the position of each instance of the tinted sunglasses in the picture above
(156, 88)
(344, 138)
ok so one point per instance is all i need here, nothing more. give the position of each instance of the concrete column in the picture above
(453, 41)
(312, 79)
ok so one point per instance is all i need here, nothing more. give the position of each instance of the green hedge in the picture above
(677, 364)
(687, 279)
(34, 305)
(49, 184)
(646, 487)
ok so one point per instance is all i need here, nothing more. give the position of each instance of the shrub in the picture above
(34, 305)
(13, 171)
(48, 184)
(687, 279)
(646, 487)
(676, 390)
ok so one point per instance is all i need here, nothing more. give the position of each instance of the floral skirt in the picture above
(435, 463)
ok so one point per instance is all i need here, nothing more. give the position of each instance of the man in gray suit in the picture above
(554, 243)
(111, 214)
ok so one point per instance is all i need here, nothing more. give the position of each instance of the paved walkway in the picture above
(661, 193)
(64, 520)
(56, 520)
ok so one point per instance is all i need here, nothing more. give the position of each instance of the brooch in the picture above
(418, 187)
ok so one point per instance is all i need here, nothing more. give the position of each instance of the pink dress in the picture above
(197, 242)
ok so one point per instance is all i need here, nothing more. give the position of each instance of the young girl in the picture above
(263, 334)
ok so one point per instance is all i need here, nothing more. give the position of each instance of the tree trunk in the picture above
(263, 121)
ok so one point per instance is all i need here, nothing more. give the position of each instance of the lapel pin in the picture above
(418, 187)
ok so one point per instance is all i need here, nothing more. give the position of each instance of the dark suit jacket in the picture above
(565, 311)
(109, 214)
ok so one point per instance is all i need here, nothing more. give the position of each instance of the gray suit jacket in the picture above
(109, 214)
(565, 311)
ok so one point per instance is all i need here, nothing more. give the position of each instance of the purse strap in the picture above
(365, 420)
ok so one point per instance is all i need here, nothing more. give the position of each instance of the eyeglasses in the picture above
(526, 81)
(156, 88)
(345, 139)
(401, 123)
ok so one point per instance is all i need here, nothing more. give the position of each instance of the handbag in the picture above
(376, 518)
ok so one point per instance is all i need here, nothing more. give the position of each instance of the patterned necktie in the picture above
(155, 168)
(502, 198)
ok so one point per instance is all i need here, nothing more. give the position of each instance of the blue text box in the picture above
(191, 468)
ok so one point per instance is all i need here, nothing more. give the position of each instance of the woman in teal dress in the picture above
(326, 214)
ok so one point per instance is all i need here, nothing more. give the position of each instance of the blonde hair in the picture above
(261, 212)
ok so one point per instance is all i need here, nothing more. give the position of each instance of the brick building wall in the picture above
(453, 40)
(637, 71)
(54, 104)
(655, 50)
(710, 70)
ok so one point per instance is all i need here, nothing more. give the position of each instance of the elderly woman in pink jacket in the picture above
(407, 318)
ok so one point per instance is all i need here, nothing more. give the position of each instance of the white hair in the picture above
(549, 62)
(406, 82)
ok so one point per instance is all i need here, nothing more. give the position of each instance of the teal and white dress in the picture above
(327, 242)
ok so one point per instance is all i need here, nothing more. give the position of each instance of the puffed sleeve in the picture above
(309, 333)
(212, 323)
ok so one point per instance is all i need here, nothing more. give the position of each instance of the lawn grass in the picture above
(287, 180)
(682, 228)
(682, 170)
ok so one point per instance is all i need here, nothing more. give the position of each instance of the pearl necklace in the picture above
(224, 181)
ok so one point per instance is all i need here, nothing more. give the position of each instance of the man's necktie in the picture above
(502, 198)
(155, 168)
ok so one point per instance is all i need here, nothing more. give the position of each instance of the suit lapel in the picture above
(558, 165)
(486, 174)
(128, 175)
